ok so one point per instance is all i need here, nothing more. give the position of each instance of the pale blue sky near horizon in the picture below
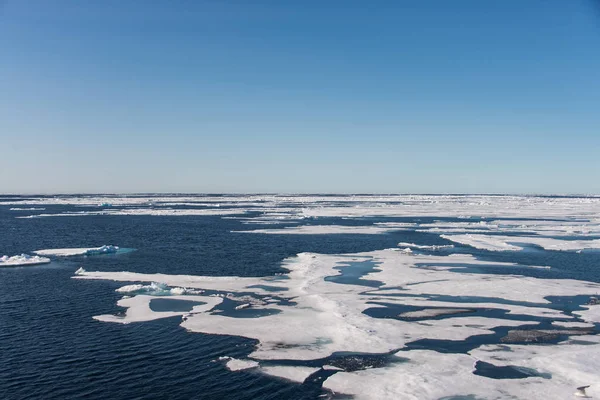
(352, 96)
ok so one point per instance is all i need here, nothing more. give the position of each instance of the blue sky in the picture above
(300, 96)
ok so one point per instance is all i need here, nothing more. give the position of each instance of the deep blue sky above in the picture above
(300, 96)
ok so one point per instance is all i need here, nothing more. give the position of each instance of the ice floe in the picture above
(234, 364)
(22, 260)
(515, 243)
(87, 251)
(138, 308)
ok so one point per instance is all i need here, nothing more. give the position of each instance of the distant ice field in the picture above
(300, 297)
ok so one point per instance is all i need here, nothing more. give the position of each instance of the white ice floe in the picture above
(514, 243)
(89, 251)
(234, 364)
(22, 260)
(138, 309)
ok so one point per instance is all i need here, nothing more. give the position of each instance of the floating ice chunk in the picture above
(88, 251)
(22, 260)
(138, 309)
(178, 291)
(155, 289)
(242, 306)
(106, 249)
(234, 364)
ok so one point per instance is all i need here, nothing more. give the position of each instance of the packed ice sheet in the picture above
(87, 251)
(325, 317)
(553, 216)
(22, 260)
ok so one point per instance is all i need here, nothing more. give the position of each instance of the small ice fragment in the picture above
(178, 291)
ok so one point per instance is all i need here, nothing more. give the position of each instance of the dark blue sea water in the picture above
(51, 348)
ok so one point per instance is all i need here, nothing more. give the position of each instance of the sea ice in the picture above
(22, 260)
(512, 243)
(322, 317)
(234, 364)
(89, 251)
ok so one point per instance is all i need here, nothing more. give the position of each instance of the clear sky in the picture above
(300, 96)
